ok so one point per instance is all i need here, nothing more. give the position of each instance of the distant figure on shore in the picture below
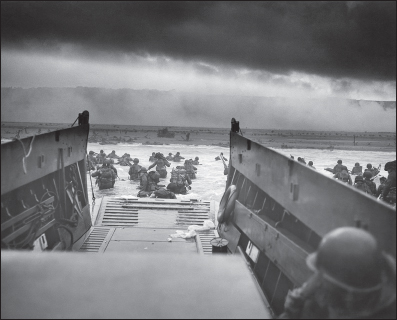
(134, 170)
(170, 157)
(178, 157)
(357, 169)
(343, 176)
(310, 164)
(152, 157)
(187, 136)
(371, 185)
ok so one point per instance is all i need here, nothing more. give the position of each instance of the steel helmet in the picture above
(367, 174)
(357, 164)
(390, 165)
(142, 170)
(196, 158)
(369, 166)
(91, 152)
(358, 178)
(349, 258)
(340, 161)
(310, 163)
(136, 160)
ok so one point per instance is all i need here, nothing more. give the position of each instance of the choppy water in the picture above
(210, 182)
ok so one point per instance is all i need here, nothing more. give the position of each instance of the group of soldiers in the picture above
(180, 181)
(363, 181)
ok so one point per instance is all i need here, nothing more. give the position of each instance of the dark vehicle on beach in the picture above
(63, 257)
(164, 133)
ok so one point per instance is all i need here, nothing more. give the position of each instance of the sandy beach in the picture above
(289, 139)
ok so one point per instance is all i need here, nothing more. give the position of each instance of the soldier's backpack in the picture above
(164, 194)
(177, 177)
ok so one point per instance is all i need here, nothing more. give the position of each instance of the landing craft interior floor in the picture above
(146, 225)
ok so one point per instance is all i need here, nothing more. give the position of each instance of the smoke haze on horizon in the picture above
(170, 108)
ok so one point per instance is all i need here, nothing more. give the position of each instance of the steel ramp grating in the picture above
(204, 238)
(158, 213)
(95, 240)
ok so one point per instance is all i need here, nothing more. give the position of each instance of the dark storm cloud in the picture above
(338, 39)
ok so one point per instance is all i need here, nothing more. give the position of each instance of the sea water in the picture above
(210, 182)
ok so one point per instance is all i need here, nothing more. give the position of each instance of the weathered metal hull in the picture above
(44, 189)
(283, 210)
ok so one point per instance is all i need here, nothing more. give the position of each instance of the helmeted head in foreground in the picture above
(340, 161)
(369, 166)
(348, 258)
(136, 160)
(310, 163)
(390, 166)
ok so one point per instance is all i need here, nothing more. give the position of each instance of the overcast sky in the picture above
(272, 49)
(265, 48)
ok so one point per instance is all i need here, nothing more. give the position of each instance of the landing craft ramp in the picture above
(146, 225)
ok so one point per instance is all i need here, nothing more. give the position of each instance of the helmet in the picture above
(177, 153)
(196, 158)
(390, 165)
(357, 164)
(107, 162)
(348, 258)
(170, 154)
(113, 151)
(367, 174)
(142, 170)
(358, 178)
(136, 160)
(310, 163)
(369, 166)
(340, 161)
(91, 152)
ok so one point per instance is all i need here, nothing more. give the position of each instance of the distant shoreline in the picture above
(291, 139)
